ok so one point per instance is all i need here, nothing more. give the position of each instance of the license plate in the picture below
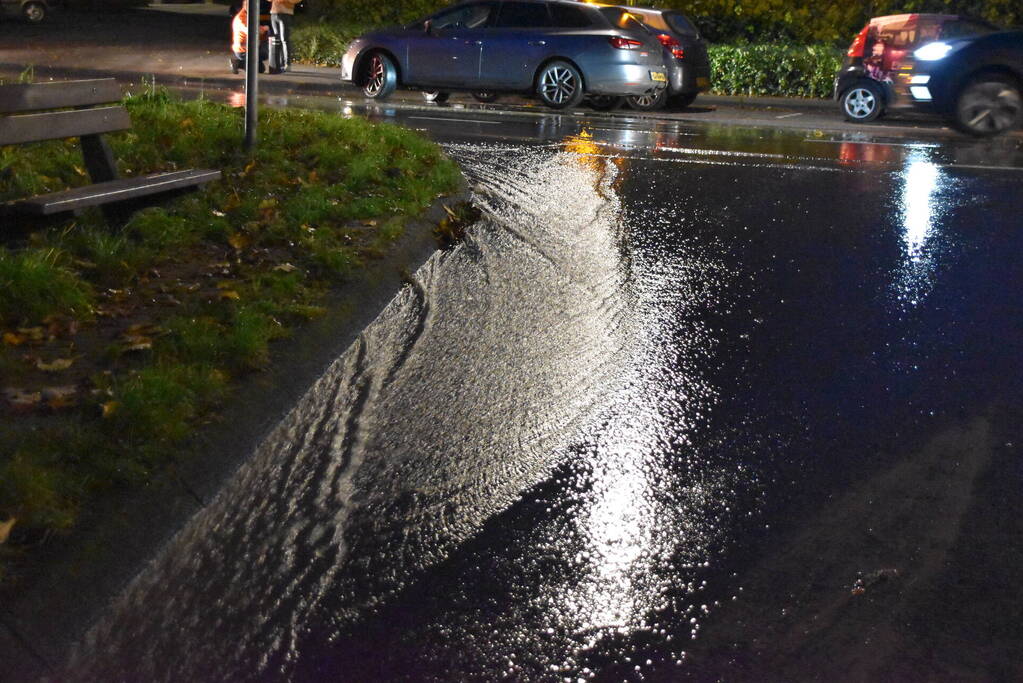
(658, 76)
(702, 82)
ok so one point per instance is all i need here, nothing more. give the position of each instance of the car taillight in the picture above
(672, 44)
(859, 43)
(625, 43)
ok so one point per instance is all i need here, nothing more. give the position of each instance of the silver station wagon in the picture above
(559, 50)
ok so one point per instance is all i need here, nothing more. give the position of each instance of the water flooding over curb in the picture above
(455, 400)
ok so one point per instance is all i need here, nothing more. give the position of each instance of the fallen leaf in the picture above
(21, 400)
(33, 334)
(57, 398)
(5, 529)
(268, 203)
(109, 408)
(230, 294)
(285, 268)
(248, 169)
(138, 344)
(55, 366)
(218, 213)
(239, 240)
(370, 223)
(12, 339)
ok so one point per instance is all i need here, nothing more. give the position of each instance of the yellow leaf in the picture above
(239, 240)
(56, 366)
(110, 407)
(32, 333)
(12, 339)
(230, 294)
(248, 169)
(5, 529)
(268, 203)
(285, 268)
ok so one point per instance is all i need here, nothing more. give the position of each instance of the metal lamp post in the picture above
(251, 75)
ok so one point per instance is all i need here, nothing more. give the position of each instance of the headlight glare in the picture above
(933, 51)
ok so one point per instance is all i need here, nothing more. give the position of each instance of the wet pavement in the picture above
(690, 403)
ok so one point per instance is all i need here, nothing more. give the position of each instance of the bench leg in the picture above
(99, 160)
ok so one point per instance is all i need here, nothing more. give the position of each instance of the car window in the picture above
(475, 15)
(680, 23)
(963, 28)
(522, 15)
(566, 16)
(621, 18)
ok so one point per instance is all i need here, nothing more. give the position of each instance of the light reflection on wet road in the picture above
(680, 390)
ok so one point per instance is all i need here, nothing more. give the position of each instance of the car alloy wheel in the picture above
(650, 101)
(34, 12)
(863, 102)
(436, 96)
(560, 85)
(989, 105)
(381, 76)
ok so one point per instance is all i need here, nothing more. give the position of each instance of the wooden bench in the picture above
(84, 112)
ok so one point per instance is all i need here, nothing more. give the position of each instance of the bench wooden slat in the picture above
(15, 130)
(21, 97)
(109, 192)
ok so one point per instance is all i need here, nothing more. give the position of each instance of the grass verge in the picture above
(117, 343)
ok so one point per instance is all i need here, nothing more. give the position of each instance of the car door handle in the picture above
(537, 43)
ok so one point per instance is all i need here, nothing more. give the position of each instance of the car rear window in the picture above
(522, 15)
(621, 18)
(680, 23)
(565, 16)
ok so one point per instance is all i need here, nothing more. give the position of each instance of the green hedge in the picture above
(774, 69)
(729, 21)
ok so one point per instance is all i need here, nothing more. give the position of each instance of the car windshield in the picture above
(621, 18)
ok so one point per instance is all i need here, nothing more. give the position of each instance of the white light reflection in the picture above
(922, 183)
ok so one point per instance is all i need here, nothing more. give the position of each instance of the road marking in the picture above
(454, 120)
(788, 116)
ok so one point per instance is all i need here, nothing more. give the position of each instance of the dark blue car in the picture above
(556, 49)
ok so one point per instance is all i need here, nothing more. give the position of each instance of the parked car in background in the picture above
(975, 81)
(688, 63)
(875, 73)
(33, 11)
(558, 50)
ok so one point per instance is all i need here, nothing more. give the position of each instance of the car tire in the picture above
(380, 76)
(988, 105)
(863, 102)
(485, 96)
(34, 12)
(436, 96)
(648, 102)
(681, 101)
(559, 85)
(605, 102)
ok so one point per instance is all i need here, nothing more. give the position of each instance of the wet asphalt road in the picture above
(691, 403)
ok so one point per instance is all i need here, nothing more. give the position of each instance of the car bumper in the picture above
(687, 78)
(625, 79)
(348, 61)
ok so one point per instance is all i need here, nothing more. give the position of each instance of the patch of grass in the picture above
(151, 321)
(34, 283)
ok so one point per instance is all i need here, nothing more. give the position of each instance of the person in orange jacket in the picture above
(240, 41)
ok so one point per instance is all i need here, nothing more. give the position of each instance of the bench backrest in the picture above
(86, 119)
